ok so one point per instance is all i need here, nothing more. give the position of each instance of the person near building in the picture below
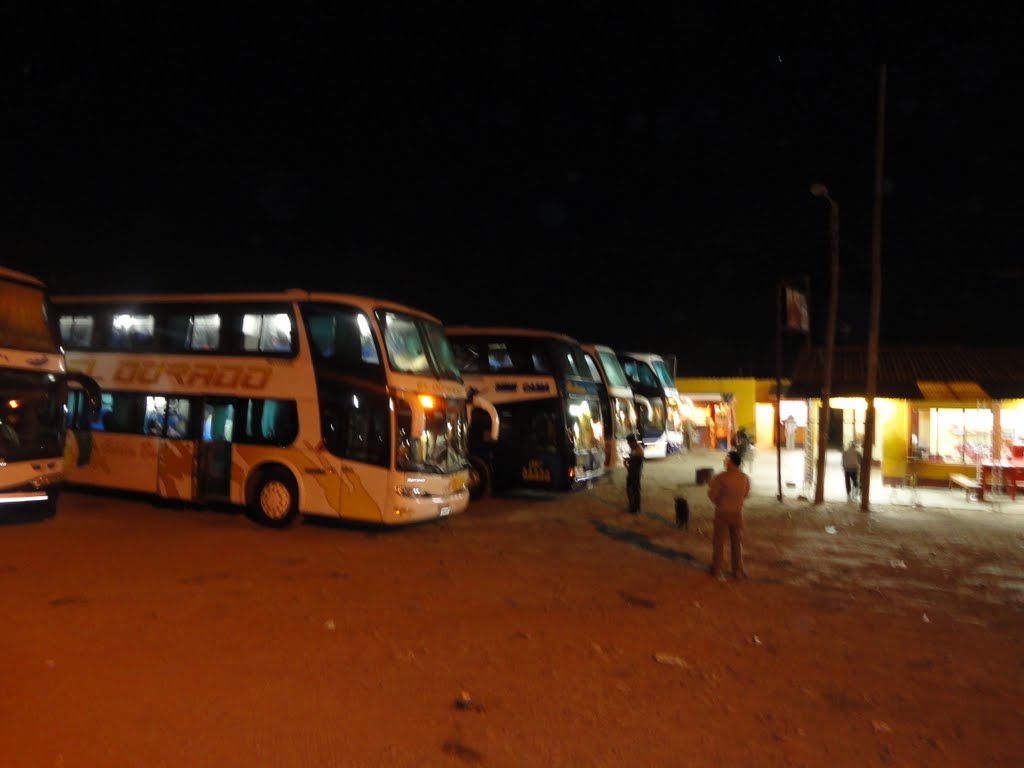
(852, 459)
(744, 447)
(790, 426)
(728, 491)
(634, 469)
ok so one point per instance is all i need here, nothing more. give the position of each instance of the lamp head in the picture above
(820, 190)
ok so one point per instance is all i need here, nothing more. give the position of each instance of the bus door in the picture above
(174, 423)
(214, 480)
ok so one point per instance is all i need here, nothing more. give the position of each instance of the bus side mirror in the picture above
(92, 392)
(475, 401)
(641, 400)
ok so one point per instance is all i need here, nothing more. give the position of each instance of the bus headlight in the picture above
(410, 492)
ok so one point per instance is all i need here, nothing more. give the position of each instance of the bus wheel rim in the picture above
(275, 500)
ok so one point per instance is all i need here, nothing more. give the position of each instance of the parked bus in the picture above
(285, 403)
(551, 434)
(679, 407)
(657, 402)
(618, 410)
(34, 384)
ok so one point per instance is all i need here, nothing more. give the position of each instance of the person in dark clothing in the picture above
(634, 468)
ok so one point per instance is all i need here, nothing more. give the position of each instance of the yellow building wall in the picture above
(744, 393)
(892, 425)
(765, 416)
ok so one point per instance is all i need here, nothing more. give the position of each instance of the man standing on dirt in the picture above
(727, 491)
(634, 470)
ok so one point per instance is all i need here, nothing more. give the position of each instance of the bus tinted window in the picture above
(123, 413)
(355, 424)
(129, 331)
(76, 331)
(519, 356)
(267, 422)
(570, 361)
(266, 332)
(340, 337)
(467, 356)
(204, 333)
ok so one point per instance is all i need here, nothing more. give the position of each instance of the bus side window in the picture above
(76, 331)
(498, 358)
(267, 422)
(355, 424)
(178, 410)
(126, 415)
(467, 356)
(539, 356)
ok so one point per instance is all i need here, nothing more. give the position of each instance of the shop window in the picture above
(954, 435)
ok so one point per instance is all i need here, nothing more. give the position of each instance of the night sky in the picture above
(638, 178)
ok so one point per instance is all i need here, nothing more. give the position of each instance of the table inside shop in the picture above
(1010, 473)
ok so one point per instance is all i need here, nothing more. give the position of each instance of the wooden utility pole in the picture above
(876, 299)
(820, 190)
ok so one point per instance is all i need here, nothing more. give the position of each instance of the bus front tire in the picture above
(275, 502)
(479, 478)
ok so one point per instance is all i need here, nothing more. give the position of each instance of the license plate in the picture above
(445, 511)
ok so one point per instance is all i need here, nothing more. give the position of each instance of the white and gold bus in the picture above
(33, 396)
(618, 408)
(285, 403)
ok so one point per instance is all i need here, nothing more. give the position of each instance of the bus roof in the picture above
(491, 330)
(645, 356)
(20, 277)
(293, 294)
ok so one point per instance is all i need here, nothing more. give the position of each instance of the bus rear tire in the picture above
(275, 500)
(479, 478)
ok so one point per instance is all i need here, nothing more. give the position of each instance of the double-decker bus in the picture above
(284, 403)
(657, 399)
(34, 384)
(618, 410)
(551, 434)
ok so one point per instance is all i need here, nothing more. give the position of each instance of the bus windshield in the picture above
(663, 375)
(442, 447)
(25, 319)
(416, 345)
(31, 415)
(613, 369)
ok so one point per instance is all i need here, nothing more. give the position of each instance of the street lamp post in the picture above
(820, 190)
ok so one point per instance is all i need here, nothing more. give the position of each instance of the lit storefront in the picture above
(967, 417)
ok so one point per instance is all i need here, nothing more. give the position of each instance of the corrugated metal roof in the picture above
(916, 373)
